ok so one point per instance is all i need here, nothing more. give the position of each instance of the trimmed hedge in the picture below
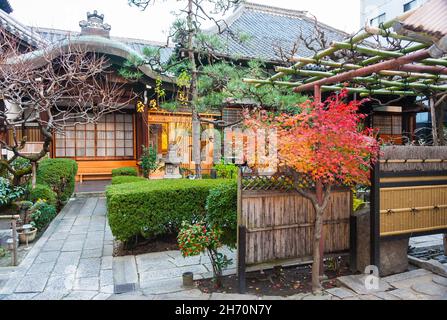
(59, 175)
(127, 171)
(156, 207)
(43, 214)
(221, 206)
(42, 192)
(126, 179)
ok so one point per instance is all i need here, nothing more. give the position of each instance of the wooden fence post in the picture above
(242, 247)
(352, 237)
(241, 236)
(375, 216)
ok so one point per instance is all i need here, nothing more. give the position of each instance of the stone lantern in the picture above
(172, 163)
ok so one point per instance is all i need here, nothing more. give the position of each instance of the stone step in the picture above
(96, 194)
(125, 274)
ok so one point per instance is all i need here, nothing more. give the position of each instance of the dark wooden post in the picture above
(352, 237)
(242, 247)
(375, 216)
(241, 237)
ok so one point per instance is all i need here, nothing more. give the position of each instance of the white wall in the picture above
(370, 9)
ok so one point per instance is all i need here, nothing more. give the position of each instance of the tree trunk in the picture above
(439, 111)
(317, 250)
(34, 174)
(194, 94)
(434, 126)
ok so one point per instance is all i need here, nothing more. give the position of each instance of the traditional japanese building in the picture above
(273, 35)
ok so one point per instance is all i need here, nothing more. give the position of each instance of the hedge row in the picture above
(156, 207)
(126, 171)
(59, 175)
(127, 179)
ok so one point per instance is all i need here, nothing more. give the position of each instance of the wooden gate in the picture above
(409, 194)
(276, 223)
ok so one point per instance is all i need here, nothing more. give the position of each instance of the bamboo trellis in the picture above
(404, 70)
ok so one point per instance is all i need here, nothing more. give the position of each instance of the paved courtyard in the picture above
(73, 260)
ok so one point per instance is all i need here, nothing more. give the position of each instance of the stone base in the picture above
(393, 253)
(179, 176)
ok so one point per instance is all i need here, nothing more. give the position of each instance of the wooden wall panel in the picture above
(280, 225)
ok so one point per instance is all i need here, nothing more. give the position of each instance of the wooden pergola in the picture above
(411, 66)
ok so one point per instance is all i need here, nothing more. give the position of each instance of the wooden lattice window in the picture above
(111, 137)
(388, 124)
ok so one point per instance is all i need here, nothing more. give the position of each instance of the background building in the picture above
(374, 12)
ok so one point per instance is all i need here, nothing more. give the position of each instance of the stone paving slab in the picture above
(70, 260)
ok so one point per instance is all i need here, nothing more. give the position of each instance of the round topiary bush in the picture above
(42, 192)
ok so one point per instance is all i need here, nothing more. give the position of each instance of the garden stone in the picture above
(405, 294)
(340, 292)
(107, 250)
(49, 256)
(30, 284)
(106, 278)
(86, 284)
(357, 284)
(170, 273)
(60, 283)
(430, 289)
(102, 296)
(73, 246)
(125, 270)
(106, 263)
(151, 287)
(194, 294)
(317, 297)
(51, 295)
(41, 268)
(130, 297)
(233, 296)
(440, 280)
(53, 245)
(406, 275)
(20, 296)
(91, 253)
(81, 295)
(89, 268)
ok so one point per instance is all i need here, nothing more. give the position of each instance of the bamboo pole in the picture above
(402, 210)
(327, 52)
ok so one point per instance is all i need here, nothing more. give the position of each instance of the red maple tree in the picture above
(323, 145)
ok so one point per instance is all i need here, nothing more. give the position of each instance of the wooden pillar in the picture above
(434, 123)
(142, 131)
(241, 238)
(375, 216)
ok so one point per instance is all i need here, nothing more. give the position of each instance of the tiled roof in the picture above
(19, 30)
(5, 6)
(268, 28)
(430, 19)
(56, 35)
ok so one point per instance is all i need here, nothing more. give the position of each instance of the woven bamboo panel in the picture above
(413, 209)
(280, 224)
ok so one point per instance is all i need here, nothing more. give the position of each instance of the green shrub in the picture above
(126, 179)
(221, 206)
(59, 175)
(127, 171)
(8, 192)
(226, 171)
(156, 207)
(42, 214)
(149, 162)
(42, 192)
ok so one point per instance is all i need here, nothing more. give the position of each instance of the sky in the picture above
(154, 23)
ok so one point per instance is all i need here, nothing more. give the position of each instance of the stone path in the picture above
(72, 260)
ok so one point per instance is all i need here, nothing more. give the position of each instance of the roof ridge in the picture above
(19, 29)
(123, 39)
(274, 10)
